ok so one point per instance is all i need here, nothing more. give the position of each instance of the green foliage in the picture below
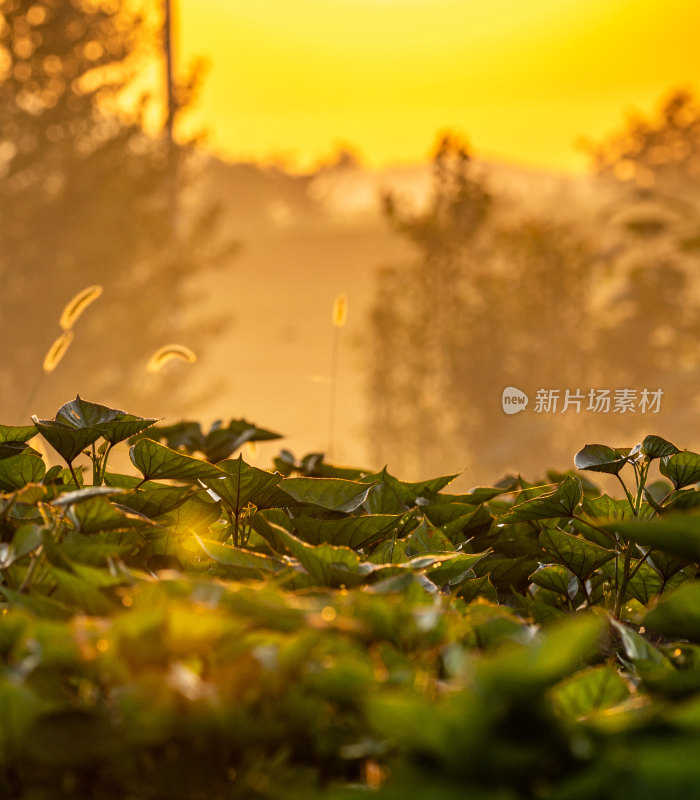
(218, 630)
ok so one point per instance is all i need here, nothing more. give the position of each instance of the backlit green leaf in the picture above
(240, 483)
(682, 469)
(656, 447)
(563, 502)
(17, 433)
(678, 535)
(330, 493)
(601, 458)
(17, 471)
(155, 460)
(556, 578)
(589, 691)
(579, 555)
(355, 532)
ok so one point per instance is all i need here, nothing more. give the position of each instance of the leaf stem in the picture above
(625, 580)
(332, 399)
(72, 472)
(630, 500)
(30, 573)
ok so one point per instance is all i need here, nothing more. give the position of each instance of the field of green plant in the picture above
(202, 628)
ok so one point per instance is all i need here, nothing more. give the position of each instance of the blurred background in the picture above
(503, 195)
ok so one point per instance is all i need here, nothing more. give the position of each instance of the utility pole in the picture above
(169, 71)
(172, 183)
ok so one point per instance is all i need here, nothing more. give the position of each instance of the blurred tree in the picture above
(660, 152)
(86, 197)
(497, 299)
(653, 165)
(489, 302)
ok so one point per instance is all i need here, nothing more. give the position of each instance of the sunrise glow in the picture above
(522, 81)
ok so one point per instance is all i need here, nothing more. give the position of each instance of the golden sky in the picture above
(522, 80)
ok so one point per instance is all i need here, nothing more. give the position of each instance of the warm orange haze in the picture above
(510, 291)
(349, 399)
(523, 80)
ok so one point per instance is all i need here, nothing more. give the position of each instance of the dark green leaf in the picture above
(355, 532)
(330, 493)
(682, 469)
(453, 569)
(601, 458)
(156, 501)
(17, 433)
(477, 587)
(17, 471)
(684, 500)
(194, 515)
(123, 427)
(81, 413)
(506, 573)
(67, 440)
(182, 435)
(635, 646)
(327, 565)
(27, 538)
(563, 502)
(607, 508)
(99, 514)
(678, 614)
(409, 493)
(579, 555)
(591, 690)
(390, 552)
(426, 538)
(656, 447)
(678, 535)
(556, 578)
(155, 460)
(240, 483)
(79, 495)
(459, 521)
(221, 442)
(241, 563)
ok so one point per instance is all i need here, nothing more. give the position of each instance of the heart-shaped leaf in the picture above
(17, 433)
(354, 532)
(17, 471)
(601, 458)
(656, 447)
(556, 578)
(240, 483)
(155, 460)
(563, 502)
(333, 494)
(579, 555)
(682, 469)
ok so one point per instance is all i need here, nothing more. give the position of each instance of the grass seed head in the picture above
(340, 310)
(57, 351)
(75, 307)
(167, 353)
